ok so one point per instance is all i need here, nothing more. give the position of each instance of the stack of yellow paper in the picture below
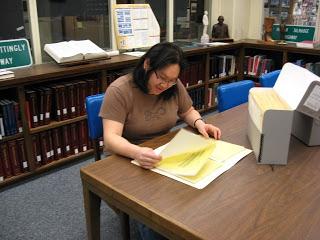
(269, 99)
(186, 154)
(263, 99)
(195, 160)
(222, 152)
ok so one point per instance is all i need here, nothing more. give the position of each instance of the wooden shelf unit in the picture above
(51, 73)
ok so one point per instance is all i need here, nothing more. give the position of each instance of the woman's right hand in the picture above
(147, 158)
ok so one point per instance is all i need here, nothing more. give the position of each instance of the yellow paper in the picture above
(269, 99)
(188, 163)
(207, 169)
(225, 150)
(220, 155)
(262, 100)
(186, 154)
(223, 156)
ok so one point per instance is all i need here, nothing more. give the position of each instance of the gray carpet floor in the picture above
(51, 207)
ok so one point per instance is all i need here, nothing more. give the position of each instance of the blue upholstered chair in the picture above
(95, 127)
(93, 105)
(269, 79)
(233, 94)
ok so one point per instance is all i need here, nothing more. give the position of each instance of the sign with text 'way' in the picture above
(15, 53)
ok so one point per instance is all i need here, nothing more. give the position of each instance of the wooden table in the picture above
(249, 201)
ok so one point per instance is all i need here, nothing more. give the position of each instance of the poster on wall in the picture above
(135, 26)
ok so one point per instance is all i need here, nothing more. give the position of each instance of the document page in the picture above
(223, 156)
(135, 26)
(186, 153)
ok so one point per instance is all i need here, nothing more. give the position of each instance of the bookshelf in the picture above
(202, 92)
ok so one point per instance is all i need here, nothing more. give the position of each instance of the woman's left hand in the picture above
(208, 130)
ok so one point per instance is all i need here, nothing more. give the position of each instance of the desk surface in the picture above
(249, 201)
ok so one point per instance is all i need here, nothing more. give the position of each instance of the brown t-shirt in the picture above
(144, 116)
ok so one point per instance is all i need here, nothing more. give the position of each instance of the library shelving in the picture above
(27, 124)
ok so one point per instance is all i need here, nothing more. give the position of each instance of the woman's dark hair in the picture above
(160, 55)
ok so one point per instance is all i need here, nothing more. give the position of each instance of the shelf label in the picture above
(15, 53)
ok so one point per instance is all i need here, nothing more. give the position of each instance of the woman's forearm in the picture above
(191, 116)
(119, 145)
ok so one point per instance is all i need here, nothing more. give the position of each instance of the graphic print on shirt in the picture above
(154, 115)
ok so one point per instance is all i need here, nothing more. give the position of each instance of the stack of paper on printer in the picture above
(191, 159)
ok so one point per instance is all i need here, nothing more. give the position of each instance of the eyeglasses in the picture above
(169, 82)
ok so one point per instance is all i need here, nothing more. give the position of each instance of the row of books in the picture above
(212, 95)
(61, 142)
(10, 120)
(257, 65)
(193, 74)
(222, 66)
(59, 101)
(197, 96)
(212, 92)
(116, 74)
(13, 160)
(311, 66)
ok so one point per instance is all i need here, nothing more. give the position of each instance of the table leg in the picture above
(92, 210)
(125, 226)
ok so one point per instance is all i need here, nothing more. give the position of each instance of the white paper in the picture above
(135, 54)
(293, 83)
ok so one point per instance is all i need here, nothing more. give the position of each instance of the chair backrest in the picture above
(269, 79)
(233, 94)
(93, 105)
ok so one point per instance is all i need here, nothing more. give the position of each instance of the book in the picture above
(193, 160)
(36, 148)
(22, 154)
(73, 51)
(15, 161)
(5, 74)
(32, 99)
(4, 157)
(57, 144)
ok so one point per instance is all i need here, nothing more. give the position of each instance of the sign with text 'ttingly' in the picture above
(15, 53)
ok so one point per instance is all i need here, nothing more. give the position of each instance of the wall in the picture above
(256, 19)
(244, 17)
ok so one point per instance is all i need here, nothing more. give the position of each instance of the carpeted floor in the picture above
(51, 207)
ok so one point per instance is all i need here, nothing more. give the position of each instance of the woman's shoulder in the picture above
(122, 88)
(123, 82)
(180, 85)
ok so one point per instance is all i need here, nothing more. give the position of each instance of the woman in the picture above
(146, 103)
